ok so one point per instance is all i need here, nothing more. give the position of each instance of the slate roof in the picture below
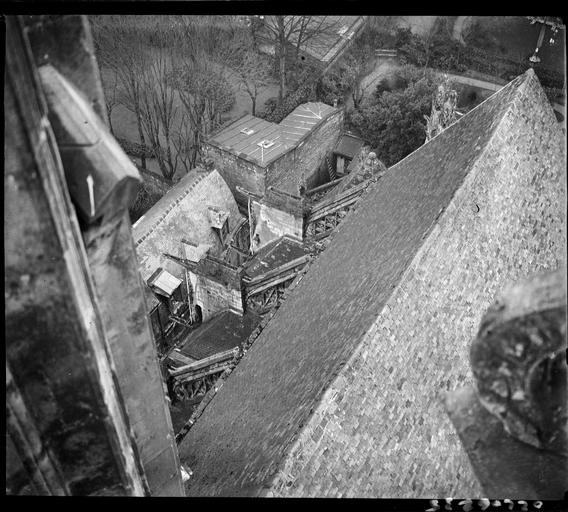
(224, 331)
(242, 438)
(273, 255)
(286, 135)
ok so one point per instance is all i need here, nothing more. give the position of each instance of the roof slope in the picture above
(224, 331)
(273, 255)
(182, 213)
(238, 444)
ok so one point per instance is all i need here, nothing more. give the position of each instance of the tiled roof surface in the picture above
(273, 255)
(243, 436)
(223, 332)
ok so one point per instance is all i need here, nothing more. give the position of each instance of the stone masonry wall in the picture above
(308, 156)
(380, 429)
(237, 171)
(272, 223)
(213, 297)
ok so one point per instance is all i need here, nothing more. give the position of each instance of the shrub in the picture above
(394, 123)
(382, 86)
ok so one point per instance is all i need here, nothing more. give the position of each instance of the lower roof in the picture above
(348, 146)
(273, 255)
(224, 331)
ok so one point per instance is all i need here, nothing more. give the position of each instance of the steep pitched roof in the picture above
(243, 436)
(182, 213)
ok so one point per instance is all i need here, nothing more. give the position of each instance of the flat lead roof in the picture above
(283, 136)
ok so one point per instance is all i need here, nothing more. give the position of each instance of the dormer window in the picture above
(222, 232)
(265, 144)
(219, 221)
(247, 131)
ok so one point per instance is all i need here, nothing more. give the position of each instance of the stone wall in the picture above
(272, 223)
(65, 416)
(213, 297)
(311, 152)
(93, 339)
(286, 171)
(237, 171)
(307, 156)
(384, 411)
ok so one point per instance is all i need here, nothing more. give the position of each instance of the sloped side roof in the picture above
(273, 255)
(182, 213)
(303, 120)
(244, 434)
(224, 331)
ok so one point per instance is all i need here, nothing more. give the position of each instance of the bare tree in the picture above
(120, 49)
(296, 32)
(183, 142)
(159, 112)
(112, 99)
(253, 73)
(210, 45)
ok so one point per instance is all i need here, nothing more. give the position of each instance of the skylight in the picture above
(247, 131)
(266, 144)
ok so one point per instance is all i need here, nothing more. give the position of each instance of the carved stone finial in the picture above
(443, 112)
(519, 362)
